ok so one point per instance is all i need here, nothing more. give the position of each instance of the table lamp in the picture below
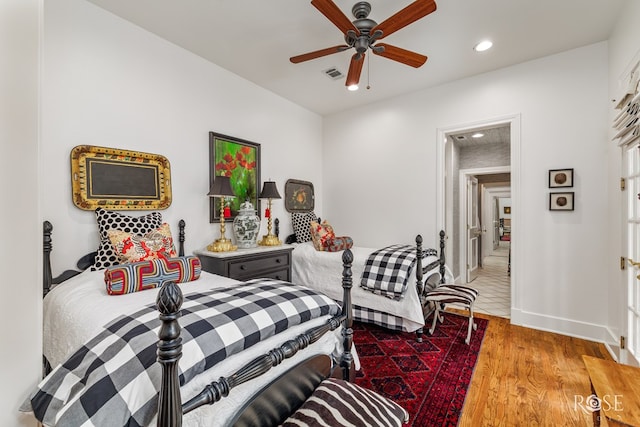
(221, 187)
(269, 191)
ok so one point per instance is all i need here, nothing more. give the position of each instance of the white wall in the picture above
(562, 102)
(110, 83)
(624, 51)
(20, 252)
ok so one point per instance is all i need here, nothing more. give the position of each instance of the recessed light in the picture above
(477, 135)
(352, 87)
(483, 45)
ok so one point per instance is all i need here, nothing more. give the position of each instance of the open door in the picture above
(630, 351)
(473, 228)
(496, 223)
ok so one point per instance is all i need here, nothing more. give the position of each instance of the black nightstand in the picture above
(243, 264)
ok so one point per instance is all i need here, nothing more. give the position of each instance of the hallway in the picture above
(494, 283)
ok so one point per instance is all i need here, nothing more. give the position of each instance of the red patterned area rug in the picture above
(429, 379)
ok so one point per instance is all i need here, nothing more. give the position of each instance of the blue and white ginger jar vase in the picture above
(246, 226)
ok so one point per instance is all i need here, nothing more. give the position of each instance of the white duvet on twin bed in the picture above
(77, 309)
(321, 271)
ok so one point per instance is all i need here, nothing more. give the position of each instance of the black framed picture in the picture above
(561, 201)
(560, 178)
(298, 196)
(240, 161)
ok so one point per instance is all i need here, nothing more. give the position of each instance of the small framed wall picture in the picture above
(298, 196)
(560, 178)
(561, 201)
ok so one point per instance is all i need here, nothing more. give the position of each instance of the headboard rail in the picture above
(48, 281)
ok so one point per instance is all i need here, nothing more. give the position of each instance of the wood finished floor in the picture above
(526, 377)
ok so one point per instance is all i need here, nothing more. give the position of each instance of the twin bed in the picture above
(114, 360)
(319, 270)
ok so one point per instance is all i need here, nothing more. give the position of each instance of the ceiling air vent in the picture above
(333, 73)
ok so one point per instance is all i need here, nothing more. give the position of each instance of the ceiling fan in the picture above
(364, 33)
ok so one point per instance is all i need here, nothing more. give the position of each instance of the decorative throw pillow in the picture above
(338, 244)
(301, 223)
(133, 248)
(106, 256)
(321, 234)
(337, 403)
(138, 276)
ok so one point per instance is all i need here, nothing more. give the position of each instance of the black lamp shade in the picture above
(221, 187)
(269, 191)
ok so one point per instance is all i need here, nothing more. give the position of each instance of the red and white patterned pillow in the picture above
(321, 234)
(106, 255)
(139, 276)
(134, 248)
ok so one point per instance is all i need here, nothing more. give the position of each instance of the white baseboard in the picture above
(572, 328)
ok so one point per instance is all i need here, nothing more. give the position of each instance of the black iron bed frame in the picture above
(271, 405)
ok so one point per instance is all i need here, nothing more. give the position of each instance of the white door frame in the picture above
(442, 194)
(489, 194)
(464, 174)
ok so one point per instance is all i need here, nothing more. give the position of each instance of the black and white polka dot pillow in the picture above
(107, 256)
(302, 224)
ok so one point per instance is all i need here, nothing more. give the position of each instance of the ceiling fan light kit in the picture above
(363, 33)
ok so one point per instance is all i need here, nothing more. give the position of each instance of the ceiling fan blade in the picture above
(355, 68)
(398, 54)
(333, 13)
(416, 10)
(318, 53)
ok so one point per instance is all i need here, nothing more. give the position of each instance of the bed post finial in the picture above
(181, 225)
(168, 302)
(346, 361)
(442, 257)
(419, 277)
(47, 246)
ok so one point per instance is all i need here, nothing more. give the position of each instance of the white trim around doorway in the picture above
(444, 218)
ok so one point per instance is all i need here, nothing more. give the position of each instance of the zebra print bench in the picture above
(452, 294)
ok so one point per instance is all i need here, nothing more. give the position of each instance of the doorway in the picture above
(462, 159)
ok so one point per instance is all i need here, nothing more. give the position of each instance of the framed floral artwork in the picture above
(560, 178)
(240, 161)
(298, 196)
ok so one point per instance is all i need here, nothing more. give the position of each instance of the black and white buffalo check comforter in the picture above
(113, 380)
(387, 270)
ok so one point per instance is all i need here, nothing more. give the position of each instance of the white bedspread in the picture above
(322, 271)
(78, 308)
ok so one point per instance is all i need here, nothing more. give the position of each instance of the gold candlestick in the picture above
(269, 239)
(269, 191)
(221, 187)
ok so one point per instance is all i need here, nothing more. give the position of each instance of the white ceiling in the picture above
(493, 135)
(255, 38)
